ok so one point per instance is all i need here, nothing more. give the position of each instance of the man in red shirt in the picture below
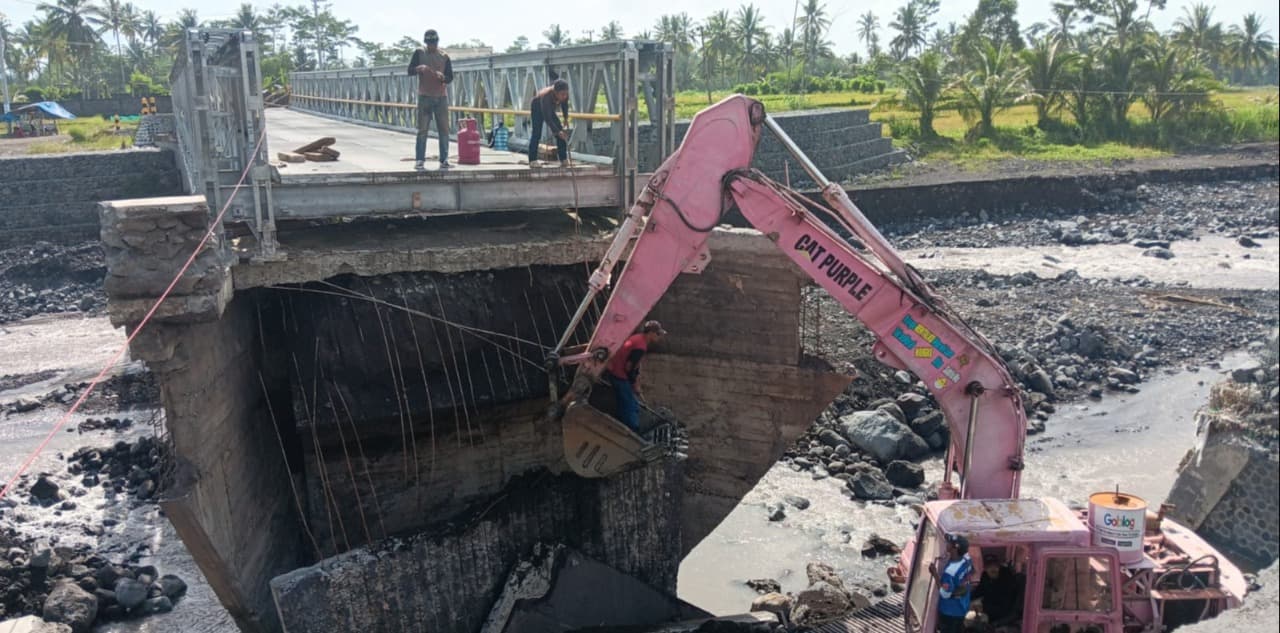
(623, 372)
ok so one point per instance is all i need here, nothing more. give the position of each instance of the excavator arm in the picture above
(667, 231)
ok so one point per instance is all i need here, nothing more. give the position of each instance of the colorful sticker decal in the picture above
(940, 383)
(924, 352)
(937, 363)
(952, 374)
(928, 335)
(904, 338)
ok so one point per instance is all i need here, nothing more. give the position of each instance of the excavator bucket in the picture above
(596, 445)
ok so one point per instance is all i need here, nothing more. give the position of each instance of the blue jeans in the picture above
(432, 109)
(628, 405)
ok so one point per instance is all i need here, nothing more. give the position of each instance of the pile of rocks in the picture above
(134, 467)
(45, 278)
(1150, 218)
(873, 450)
(824, 600)
(78, 589)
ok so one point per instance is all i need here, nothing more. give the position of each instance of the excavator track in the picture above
(882, 617)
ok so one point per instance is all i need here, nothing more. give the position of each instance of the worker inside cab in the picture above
(623, 372)
(954, 585)
(1000, 591)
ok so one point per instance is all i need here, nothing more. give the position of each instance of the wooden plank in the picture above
(291, 157)
(316, 145)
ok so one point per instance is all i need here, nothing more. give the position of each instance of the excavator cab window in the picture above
(1078, 593)
(920, 587)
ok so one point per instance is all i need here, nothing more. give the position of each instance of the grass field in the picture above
(1253, 111)
(86, 134)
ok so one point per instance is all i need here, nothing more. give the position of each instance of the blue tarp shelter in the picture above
(49, 108)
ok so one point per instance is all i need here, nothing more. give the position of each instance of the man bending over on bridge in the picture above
(543, 110)
(434, 71)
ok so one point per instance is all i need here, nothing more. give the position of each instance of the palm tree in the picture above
(176, 32)
(247, 19)
(112, 17)
(1047, 64)
(678, 31)
(556, 37)
(993, 86)
(813, 25)
(922, 87)
(1174, 79)
(868, 24)
(71, 21)
(1064, 19)
(720, 44)
(1126, 36)
(749, 30)
(1250, 45)
(611, 32)
(151, 29)
(1196, 31)
(911, 26)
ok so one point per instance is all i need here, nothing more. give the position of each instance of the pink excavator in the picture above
(1113, 568)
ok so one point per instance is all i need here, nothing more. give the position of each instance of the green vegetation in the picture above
(86, 134)
(1097, 81)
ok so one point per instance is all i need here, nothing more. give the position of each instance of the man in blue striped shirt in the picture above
(954, 585)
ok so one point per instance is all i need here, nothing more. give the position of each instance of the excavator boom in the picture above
(667, 231)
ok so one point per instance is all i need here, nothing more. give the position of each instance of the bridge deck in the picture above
(374, 174)
(367, 149)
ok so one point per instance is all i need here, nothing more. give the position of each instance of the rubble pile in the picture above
(45, 278)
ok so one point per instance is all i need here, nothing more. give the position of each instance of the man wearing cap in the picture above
(434, 72)
(953, 585)
(623, 372)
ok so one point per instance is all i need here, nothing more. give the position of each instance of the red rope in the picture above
(141, 324)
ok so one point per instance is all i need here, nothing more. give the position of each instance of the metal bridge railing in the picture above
(620, 74)
(221, 128)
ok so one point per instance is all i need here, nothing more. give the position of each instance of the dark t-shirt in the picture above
(631, 352)
(545, 102)
(999, 595)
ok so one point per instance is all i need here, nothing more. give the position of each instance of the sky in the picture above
(499, 22)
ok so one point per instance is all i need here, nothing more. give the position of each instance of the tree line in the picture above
(1093, 60)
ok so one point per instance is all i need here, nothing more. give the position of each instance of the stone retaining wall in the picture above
(55, 197)
(1226, 487)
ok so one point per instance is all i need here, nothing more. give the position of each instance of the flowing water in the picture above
(1131, 440)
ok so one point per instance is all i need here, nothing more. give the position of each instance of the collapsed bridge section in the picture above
(384, 382)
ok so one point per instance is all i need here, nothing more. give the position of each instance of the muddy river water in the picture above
(1131, 440)
(1134, 440)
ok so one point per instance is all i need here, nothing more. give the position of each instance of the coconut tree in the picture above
(1047, 63)
(151, 29)
(1197, 32)
(1250, 45)
(994, 85)
(611, 32)
(748, 29)
(812, 26)
(114, 16)
(556, 37)
(868, 27)
(1174, 79)
(72, 22)
(923, 83)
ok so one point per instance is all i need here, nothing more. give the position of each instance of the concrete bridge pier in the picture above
(362, 421)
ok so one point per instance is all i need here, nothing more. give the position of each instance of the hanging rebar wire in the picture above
(315, 444)
(355, 431)
(404, 391)
(351, 471)
(453, 397)
(284, 456)
(395, 385)
(321, 459)
(426, 389)
(457, 371)
(479, 333)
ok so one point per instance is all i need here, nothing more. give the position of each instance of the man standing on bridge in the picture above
(434, 71)
(543, 110)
